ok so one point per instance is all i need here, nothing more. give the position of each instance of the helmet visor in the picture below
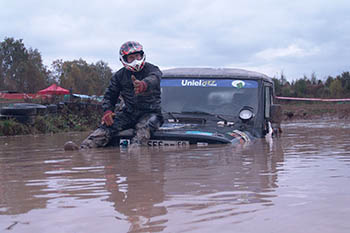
(133, 56)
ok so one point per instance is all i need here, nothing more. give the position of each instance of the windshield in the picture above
(224, 96)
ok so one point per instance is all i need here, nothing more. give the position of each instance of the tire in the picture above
(52, 108)
(19, 110)
(41, 109)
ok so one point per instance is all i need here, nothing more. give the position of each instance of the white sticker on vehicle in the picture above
(167, 143)
(238, 83)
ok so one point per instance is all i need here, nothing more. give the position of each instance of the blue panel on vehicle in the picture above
(199, 133)
(209, 83)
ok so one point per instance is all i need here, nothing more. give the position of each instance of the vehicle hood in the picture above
(195, 133)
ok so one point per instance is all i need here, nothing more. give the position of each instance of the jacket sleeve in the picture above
(153, 77)
(111, 94)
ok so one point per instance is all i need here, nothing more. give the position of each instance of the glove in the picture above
(108, 118)
(139, 86)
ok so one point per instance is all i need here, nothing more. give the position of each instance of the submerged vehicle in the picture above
(213, 106)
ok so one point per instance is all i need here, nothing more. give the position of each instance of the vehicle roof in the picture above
(213, 73)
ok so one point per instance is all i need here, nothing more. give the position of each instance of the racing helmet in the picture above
(128, 48)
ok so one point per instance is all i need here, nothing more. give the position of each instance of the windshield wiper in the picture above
(171, 114)
(198, 112)
(206, 113)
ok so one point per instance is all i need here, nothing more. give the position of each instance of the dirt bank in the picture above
(308, 111)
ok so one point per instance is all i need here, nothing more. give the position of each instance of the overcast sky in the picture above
(297, 37)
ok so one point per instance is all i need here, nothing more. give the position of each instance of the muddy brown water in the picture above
(297, 183)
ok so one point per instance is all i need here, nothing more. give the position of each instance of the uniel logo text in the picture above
(199, 83)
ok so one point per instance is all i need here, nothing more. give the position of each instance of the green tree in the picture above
(336, 89)
(21, 69)
(278, 86)
(287, 90)
(81, 77)
(345, 80)
(300, 87)
(104, 74)
(329, 81)
(314, 87)
(313, 79)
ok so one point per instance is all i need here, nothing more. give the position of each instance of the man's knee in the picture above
(151, 121)
(99, 138)
(145, 127)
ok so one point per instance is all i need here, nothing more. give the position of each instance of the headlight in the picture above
(245, 114)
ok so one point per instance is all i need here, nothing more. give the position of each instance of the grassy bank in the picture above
(67, 118)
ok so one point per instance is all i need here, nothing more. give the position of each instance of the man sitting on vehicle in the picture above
(138, 83)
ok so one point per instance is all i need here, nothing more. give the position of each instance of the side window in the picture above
(267, 100)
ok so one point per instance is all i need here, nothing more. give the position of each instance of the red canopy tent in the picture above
(54, 90)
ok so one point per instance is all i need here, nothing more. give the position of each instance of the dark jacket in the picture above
(121, 84)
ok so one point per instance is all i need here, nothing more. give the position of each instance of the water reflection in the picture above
(209, 185)
(199, 189)
(145, 187)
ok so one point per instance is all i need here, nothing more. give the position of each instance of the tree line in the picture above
(332, 87)
(22, 70)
